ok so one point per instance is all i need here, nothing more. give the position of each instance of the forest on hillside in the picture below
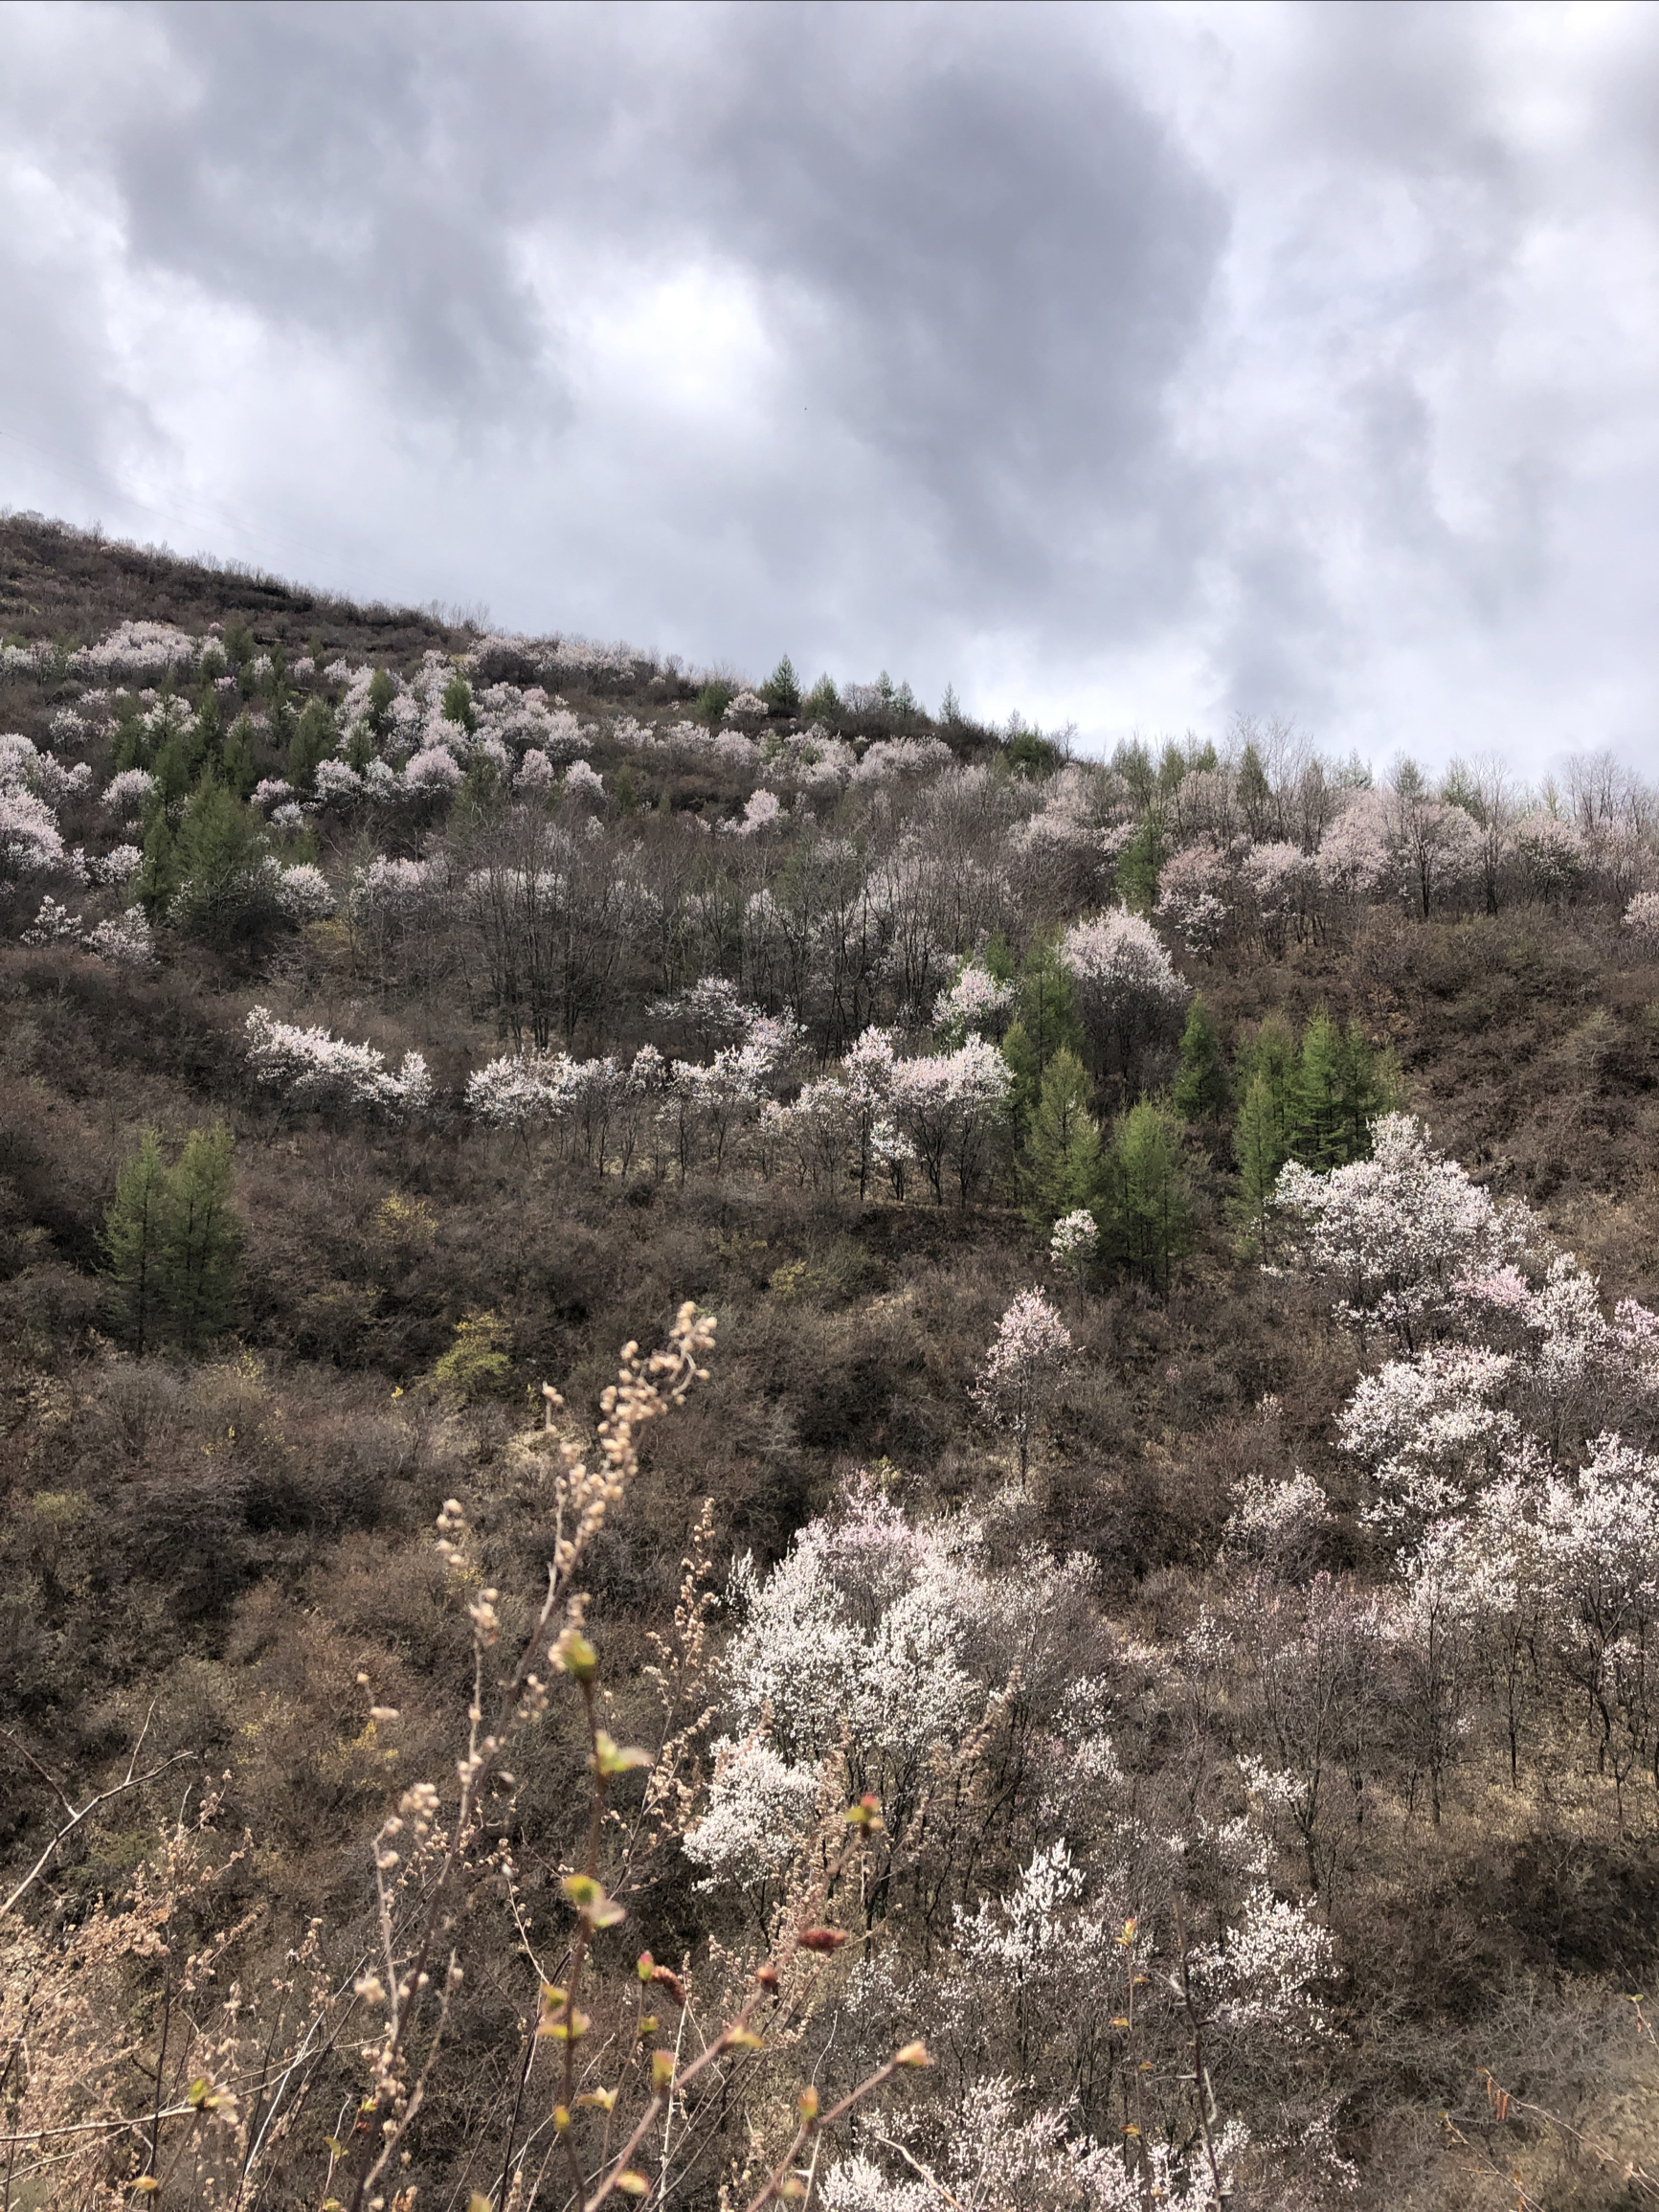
(762, 1448)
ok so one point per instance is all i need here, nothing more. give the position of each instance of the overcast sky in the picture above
(1129, 365)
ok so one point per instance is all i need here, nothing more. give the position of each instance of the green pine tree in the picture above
(1141, 861)
(157, 880)
(201, 1239)
(1272, 1053)
(1201, 1090)
(1061, 1169)
(1030, 753)
(382, 691)
(312, 742)
(206, 733)
(823, 703)
(225, 889)
(1046, 1023)
(458, 707)
(132, 743)
(1152, 1198)
(133, 1229)
(239, 763)
(1318, 1138)
(175, 772)
(781, 689)
(1368, 1084)
(1258, 1150)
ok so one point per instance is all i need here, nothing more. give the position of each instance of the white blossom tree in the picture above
(1396, 1234)
(1075, 1243)
(975, 1002)
(309, 1067)
(950, 1105)
(1127, 986)
(1019, 1367)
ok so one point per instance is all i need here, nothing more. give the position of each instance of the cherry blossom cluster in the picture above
(126, 794)
(1505, 1449)
(138, 648)
(977, 1000)
(127, 938)
(1395, 1235)
(1074, 1242)
(52, 780)
(29, 842)
(1275, 1518)
(1196, 892)
(884, 1656)
(843, 1125)
(688, 1106)
(1036, 2159)
(1118, 959)
(1557, 1563)
(811, 758)
(535, 776)
(383, 886)
(1433, 1429)
(762, 810)
(1553, 852)
(303, 892)
(309, 1067)
(950, 1105)
(523, 1090)
(870, 1634)
(567, 656)
(16, 758)
(1027, 1351)
(116, 867)
(432, 773)
(1072, 822)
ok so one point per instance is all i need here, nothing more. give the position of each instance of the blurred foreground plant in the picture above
(220, 2102)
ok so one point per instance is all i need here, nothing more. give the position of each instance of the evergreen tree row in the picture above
(1313, 1099)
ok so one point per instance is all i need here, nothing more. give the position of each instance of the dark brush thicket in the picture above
(221, 1483)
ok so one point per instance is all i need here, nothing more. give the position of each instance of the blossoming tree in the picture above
(1025, 1356)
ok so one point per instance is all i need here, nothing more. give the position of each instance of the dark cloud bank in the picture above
(1136, 365)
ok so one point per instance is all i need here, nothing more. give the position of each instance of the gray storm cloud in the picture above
(1132, 364)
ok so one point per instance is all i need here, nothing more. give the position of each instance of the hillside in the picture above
(397, 1017)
